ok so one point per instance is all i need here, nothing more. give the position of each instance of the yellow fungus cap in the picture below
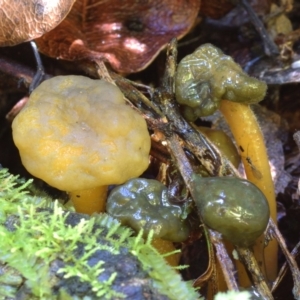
(77, 133)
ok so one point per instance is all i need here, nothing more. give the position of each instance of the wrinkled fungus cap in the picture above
(144, 204)
(234, 207)
(76, 133)
(207, 76)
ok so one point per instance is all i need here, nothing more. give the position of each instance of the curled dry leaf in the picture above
(128, 34)
(25, 20)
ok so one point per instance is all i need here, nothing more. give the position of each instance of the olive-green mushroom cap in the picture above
(207, 76)
(144, 204)
(234, 207)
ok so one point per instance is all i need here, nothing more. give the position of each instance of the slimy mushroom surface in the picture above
(77, 134)
(144, 204)
(234, 207)
(207, 76)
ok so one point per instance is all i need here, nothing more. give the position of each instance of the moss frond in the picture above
(165, 279)
(34, 244)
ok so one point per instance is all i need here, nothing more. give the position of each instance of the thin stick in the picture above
(289, 258)
(247, 257)
(224, 260)
(40, 72)
(270, 47)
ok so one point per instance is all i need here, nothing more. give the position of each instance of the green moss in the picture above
(40, 249)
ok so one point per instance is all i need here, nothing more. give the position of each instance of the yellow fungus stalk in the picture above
(250, 142)
(89, 201)
(163, 247)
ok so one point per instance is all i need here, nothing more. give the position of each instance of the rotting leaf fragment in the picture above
(22, 21)
(128, 34)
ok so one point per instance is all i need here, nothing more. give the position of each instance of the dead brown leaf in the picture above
(24, 20)
(128, 33)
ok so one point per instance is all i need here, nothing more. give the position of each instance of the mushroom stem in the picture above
(89, 201)
(163, 247)
(250, 142)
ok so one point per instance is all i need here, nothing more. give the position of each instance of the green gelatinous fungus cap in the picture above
(234, 207)
(207, 76)
(144, 204)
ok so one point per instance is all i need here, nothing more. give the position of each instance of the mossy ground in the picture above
(47, 252)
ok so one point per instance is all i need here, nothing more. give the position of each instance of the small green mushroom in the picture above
(206, 80)
(234, 207)
(144, 204)
(207, 76)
